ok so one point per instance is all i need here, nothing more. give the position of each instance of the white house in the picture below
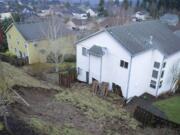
(141, 15)
(5, 15)
(170, 19)
(91, 12)
(137, 57)
(79, 14)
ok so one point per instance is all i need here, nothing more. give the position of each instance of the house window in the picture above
(124, 64)
(156, 65)
(162, 74)
(155, 74)
(9, 36)
(153, 84)
(84, 51)
(164, 64)
(160, 84)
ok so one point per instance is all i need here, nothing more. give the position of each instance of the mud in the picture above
(44, 107)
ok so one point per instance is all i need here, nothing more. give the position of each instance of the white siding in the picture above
(141, 73)
(167, 79)
(142, 66)
(111, 70)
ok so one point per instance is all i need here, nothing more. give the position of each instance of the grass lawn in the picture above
(171, 107)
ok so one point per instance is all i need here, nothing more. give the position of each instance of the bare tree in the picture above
(122, 15)
(175, 75)
(57, 43)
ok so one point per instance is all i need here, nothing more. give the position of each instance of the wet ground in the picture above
(44, 107)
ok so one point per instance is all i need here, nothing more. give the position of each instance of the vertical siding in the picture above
(141, 73)
(111, 70)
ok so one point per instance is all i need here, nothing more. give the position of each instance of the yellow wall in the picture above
(35, 49)
(39, 52)
(15, 40)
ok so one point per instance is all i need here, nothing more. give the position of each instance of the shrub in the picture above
(70, 58)
(9, 54)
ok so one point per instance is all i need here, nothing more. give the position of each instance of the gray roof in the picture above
(171, 19)
(141, 36)
(37, 30)
(96, 51)
(177, 33)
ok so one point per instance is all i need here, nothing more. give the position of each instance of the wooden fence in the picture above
(149, 119)
(13, 60)
(66, 78)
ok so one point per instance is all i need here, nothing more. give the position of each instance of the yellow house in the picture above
(27, 40)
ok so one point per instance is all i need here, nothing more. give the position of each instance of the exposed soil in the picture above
(44, 107)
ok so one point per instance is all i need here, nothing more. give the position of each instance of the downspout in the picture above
(127, 91)
(89, 68)
(101, 70)
(157, 89)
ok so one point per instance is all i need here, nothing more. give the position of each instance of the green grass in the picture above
(171, 107)
(39, 67)
(10, 76)
(7, 53)
(94, 107)
(50, 129)
(1, 126)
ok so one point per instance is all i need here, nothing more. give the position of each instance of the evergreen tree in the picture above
(101, 9)
(116, 2)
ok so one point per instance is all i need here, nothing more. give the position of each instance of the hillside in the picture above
(10, 76)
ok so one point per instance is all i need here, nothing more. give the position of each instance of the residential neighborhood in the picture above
(89, 67)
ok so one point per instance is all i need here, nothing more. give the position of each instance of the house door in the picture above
(87, 77)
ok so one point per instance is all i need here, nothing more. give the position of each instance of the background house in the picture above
(5, 15)
(91, 12)
(78, 13)
(141, 15)
(170, 19)
(137, 58)
(29, 40)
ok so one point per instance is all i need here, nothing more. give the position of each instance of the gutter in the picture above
(127, 90)
(157, 89)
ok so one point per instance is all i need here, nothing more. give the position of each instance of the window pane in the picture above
(84, 51)
(160, 84)
(162, 74)
(155, 74)
(126, 65)
(156, 64)
(164, 64)
(153, 84)
(122, 63)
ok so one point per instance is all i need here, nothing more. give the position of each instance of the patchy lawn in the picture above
(72, 111)
(171, 107)
(10, 76)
